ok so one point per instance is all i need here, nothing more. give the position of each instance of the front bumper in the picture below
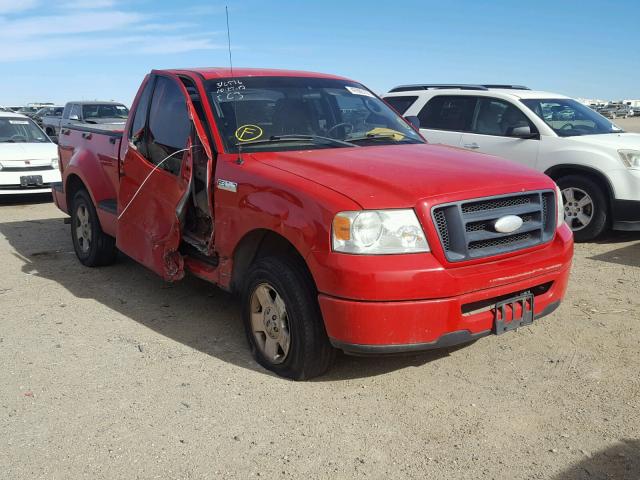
(376, 324)
(10, 183)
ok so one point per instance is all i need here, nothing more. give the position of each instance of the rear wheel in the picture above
(93, 247)
(282, 320)
(585, 206)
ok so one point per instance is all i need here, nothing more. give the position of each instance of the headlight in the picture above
(560, 206)
(0, 167)
(630, 158)
(54, 163)
(378, 232)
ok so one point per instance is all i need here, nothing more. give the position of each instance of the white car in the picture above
(28, 158)
(595, 163)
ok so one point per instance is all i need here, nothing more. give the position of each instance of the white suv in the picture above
(594, 162)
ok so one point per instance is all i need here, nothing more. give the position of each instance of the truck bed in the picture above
(97, 148)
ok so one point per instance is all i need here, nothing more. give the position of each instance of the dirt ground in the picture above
(111, 373)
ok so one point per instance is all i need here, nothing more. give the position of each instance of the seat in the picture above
(488, 122)
(511, 119)
(291, 116)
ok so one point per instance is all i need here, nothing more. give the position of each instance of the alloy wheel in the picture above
(270, 323)
(83, 228)
(578, 208)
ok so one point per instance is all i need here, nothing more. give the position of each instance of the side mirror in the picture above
(74, 117)
(413, 120)
(521, 132)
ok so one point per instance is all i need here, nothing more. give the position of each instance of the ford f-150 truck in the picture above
(324, 209)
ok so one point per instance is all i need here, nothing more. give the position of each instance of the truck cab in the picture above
(331, 217)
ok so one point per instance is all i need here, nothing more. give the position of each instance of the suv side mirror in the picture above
(521, 132)
(413, 120)
(74, 117)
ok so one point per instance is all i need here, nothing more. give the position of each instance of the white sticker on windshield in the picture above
(359, 91)
(19, 122)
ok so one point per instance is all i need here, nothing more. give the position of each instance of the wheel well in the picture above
(563, 170)
(258, 244)
(72, 186)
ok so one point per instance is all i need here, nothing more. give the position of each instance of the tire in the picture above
(93, 247)
(598, 212)
(307, 353)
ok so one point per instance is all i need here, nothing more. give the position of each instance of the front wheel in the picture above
(282, 320)
(93, 247)
(585, 207)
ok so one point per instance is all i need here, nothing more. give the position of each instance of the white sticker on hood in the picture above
(359, 91)
(19, 122)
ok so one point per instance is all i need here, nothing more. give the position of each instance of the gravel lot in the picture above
(111, 373)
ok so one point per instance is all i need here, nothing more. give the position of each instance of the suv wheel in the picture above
(585, 207)
(282, 320)
(93, 247)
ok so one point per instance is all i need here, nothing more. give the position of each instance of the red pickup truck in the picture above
(323, 208)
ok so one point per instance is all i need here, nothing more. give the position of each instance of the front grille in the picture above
(467, 230)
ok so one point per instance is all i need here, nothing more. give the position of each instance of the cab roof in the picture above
(211, 73)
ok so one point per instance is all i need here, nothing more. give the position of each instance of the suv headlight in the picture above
(630, 158)
(378, 232)
(54, 163)
(560, 206)
(0, 167)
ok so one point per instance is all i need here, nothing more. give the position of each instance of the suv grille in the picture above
(467, 231)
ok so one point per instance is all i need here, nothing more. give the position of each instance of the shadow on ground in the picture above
(618, 462)
(191, 312)
(628, 255)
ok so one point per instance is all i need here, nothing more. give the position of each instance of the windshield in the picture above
(50, 111)
(295, 113)
(569, 118)
(97, 110)
(20, 130)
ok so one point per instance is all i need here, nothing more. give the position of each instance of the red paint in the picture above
(364, 299)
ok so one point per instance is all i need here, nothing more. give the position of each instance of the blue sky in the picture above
(101, 49)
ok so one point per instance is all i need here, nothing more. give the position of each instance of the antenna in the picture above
(235, 100)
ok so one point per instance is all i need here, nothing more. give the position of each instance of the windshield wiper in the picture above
(384, 136)
(299, 138)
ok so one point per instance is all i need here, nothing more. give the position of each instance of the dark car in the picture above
(108, 114)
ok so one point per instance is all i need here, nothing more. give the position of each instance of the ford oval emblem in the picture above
(508, 224)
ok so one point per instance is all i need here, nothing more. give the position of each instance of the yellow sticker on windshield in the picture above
(247, 133)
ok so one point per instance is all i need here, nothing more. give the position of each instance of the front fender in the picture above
(274, 200)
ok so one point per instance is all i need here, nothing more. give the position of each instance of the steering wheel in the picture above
(567, 126)
(18, 138)
(337, 125)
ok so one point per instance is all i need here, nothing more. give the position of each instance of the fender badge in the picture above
(227, 185)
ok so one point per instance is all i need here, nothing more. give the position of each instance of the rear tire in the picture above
(282, 320)
(93, 247)
(583, 198)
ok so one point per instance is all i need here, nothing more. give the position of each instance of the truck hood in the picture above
(612, 140)
(27, 151)
(398, 176)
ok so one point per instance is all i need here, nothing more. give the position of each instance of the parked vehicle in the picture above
(50, 111)
(596, 163)
(338, 225)
(616, 111)
(28, 159)
(111, 115)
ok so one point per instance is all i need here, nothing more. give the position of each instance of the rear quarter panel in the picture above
(93, 158)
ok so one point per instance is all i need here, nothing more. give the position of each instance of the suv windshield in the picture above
(96, 110)
(20, 130)
(295, 113)
(569, 118)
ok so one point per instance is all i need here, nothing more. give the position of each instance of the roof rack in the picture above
(459, 86)
(507, 87)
